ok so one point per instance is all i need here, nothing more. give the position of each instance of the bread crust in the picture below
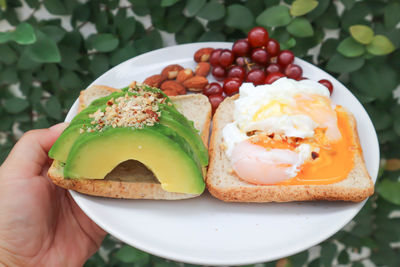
(111, 188)
(132, 189)
(93, 92)
(239, 191)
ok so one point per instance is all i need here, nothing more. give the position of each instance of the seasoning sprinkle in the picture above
(127, 111)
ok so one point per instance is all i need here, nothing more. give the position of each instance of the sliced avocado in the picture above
(103, 100)
(179, 117)
(167, 118)
(173, 112)
(193, 139)
(59, 151)
(84, 114)
(94, 155)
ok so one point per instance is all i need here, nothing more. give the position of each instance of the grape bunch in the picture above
(257, 59)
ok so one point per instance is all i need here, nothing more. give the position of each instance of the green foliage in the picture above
(44, 50)
(103, 42)
(300, 27)
(23, 34)
(15, 105)
(213, 10)
(274, 17)
(129, 254)
(389, 190)
(380, 45)
(340, 64)
(392, 15)
(350, 48)
(361, 33)
(302, 7)
(236, 11)
(49, 63)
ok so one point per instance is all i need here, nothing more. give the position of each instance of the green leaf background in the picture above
(49, 60)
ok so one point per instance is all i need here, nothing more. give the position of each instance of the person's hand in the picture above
(40, 224)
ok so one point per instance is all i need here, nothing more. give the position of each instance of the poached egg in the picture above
(278, 128)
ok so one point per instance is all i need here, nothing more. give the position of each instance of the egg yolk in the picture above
(266, 160)
(334, 160)
(317, 107)
(269, 143)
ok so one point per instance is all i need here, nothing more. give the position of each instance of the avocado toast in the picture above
(110, 155)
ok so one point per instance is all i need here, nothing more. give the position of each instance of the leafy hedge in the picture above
(44, 63)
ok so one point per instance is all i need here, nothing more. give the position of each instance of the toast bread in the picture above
(92, 93)
(131, 179)
(225, 185)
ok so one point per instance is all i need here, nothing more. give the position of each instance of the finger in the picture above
(29, 154)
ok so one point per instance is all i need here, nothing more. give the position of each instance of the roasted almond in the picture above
(171, 71)
(202, 69)
(203, 54)
(183, 75)
(155, 80)
(173, 86)
(170, 92)
(196, 83)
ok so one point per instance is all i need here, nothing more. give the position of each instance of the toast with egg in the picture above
(224, 184)
(131, 179)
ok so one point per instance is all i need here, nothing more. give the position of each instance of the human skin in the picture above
(40, 224)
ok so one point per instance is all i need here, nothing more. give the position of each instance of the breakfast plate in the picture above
(205, 230)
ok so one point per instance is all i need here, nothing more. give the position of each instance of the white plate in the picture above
(206, 230)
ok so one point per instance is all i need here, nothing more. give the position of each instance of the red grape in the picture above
(215, 100)
(328, 84)
(256, 77)
(254, 66)
(226, 58)
(273, 67)
(213, 89)
(214, 57)
(242, 61)
(260, 56)
(273, 47)
(231, 85)
(272, 77)
(258, 36)
(219, 73)
(293, 71)
(241, 48)
(285, 57)
(238, 72)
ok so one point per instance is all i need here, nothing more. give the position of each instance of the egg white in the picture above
(255, 99)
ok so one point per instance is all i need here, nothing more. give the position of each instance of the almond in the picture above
(203, 54)
(173, 87)
(155, 80)
(183, 75)
(196, 83)
(171, 71)
(170, 92)
(202, 69)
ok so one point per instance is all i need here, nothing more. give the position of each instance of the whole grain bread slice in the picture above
(131, 179)
(224, 184)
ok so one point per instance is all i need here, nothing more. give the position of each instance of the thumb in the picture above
(29, 154)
